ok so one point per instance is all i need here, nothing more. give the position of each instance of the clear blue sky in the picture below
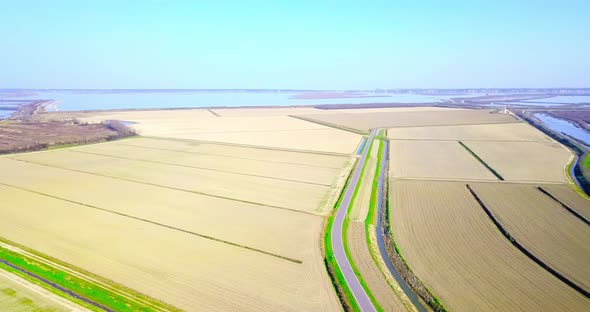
(294, 44)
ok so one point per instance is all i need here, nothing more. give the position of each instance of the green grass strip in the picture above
(80, 286)
(494, 172)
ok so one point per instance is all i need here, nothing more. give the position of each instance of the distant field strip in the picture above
(456, 251)
(517, 132)
(541, 229)
(158, 224)
(565, 206)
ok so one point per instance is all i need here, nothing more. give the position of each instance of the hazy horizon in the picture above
(307, 45)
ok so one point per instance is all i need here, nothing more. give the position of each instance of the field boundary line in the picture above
(516, 244)
(468, 140)
(494, 172)
(568, 208)
(249, 131)
(327, 124)
(227, 156)
(213, 113)
(158, 224)
(249, 146)
(196, 167)
(166, 187)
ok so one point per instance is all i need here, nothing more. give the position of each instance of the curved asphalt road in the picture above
(357, 290)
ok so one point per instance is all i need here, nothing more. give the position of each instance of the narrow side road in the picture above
(355, 286)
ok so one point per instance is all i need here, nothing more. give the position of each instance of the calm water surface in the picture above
(574, 99)
(564, 126)
(71, 100)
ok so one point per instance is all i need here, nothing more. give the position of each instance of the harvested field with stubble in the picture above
(254, 189)
(454, 248)
(434, 160)
(569, 197)
(390, 119)
(542, 226)
(182, 221)
(266, 128)
(525, 161)
(192, 273)
(490, 132)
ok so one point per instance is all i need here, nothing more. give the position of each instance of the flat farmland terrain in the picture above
(190, 272)
(326, 176)
(262, 190)
(434, 160)
(360, 205)
(490, 132)
(568, 196)
(542, 226)
(250, 128)
(525, 161)
(455, 249)
(231, 151)
(390, 119)
(17, 295)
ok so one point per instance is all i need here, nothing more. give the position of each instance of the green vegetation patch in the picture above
(79, 286)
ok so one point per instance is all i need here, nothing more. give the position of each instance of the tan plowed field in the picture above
(390, 119)
(490, 132)
(455, 249)
(267, 128)
(568, 196)
(542, 226)
(187, 271)
(525, 161)
(361, 256)
(434, 160)
(265, 191)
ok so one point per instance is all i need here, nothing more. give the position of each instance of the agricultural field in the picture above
(569, 197)
(525, 161)
(286, 194)
(542, 226)
(390, 119)
(219, 219)
(17, 295)
(266, 129)
(490, 132)
(434, 160)
(461, 256)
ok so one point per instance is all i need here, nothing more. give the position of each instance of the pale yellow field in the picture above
(524, 161)
(568, 196)
(190, 272)
(434, 160)
(491, 132)
(324, 140)
(266, 129)
(295, 172)
(361, 256)
(264, 155)
(542, 226)
(454, 248)
(261, 190)
(18, 295)
(390, 119)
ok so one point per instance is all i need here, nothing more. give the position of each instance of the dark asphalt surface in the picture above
(355, 286)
